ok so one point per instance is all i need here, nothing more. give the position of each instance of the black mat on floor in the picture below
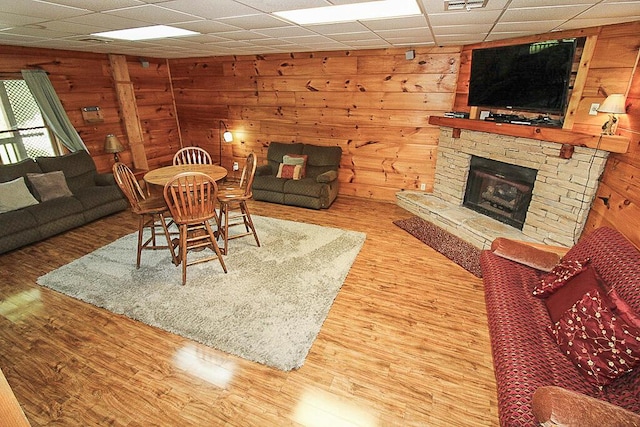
(457, 250)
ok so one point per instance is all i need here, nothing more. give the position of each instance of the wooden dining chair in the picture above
(192, 156)
(233, 206)
(192, 199)
(153, 213)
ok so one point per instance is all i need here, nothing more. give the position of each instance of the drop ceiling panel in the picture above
(101, 5)
(542, 13)
(255, 22)
(48, 11)
(527, 27)
(154, 15)
(612, 10)
(211, 9)
(478, 16)
(396, 23)
(269, 6)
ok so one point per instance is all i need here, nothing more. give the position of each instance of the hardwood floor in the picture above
(405, 344)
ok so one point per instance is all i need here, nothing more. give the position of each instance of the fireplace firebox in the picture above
(499, 190)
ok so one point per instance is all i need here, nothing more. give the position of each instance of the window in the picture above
(23, 133)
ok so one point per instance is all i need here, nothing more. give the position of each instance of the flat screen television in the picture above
(526, 77)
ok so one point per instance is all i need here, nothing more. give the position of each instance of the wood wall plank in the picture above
(374, 104)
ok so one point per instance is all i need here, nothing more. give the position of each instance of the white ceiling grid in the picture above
(248, 26)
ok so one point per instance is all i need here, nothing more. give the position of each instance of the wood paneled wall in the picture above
(85, 79)
(617, 202)
(374, 104)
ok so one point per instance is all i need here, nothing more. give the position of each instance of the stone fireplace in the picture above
(560, 197)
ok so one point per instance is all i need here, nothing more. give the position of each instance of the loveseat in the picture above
(313, 185)
(53, 202)
(527, 359)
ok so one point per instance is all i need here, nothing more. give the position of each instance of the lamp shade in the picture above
(614, 104)
(112, 144)
(227, 136)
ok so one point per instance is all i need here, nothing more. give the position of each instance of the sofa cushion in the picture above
(559, 276)
(277, 151)
(289, 171)
(269, 183)
(17, 221)
(52, 210)
(321, 159)
(90, 197)
(16, 170)
(78, 167)
(49, 186)
(15, 195)
(305, 187)
(624, 309)
(565, 297)
(599, 342)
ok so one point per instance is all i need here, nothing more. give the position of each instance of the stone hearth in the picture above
(562, 195)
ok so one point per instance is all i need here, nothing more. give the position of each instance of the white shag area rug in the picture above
(268, 308)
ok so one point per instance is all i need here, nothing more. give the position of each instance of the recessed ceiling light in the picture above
(146, 33)
(383, 9)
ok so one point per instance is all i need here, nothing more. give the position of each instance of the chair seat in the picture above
(152, 205)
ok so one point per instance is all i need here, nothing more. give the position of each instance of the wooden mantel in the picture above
(611, 143)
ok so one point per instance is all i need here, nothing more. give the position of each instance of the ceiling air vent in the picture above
(464, 4)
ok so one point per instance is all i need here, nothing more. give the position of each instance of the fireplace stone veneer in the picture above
(562, 192)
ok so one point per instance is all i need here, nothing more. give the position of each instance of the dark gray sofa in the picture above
(94, 196)
(318, 189)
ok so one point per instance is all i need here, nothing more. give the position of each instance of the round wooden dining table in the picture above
(162, 175)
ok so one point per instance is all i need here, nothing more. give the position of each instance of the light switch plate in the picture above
(593, 111)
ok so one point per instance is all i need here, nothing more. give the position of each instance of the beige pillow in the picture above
(15, 195)
(49, 186)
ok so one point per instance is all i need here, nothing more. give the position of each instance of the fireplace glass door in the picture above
(500, 190)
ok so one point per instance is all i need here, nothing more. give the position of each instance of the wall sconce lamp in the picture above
(614, 104)
(112, 145)
(226, 136)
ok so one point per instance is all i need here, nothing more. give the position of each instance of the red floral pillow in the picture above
(558, 276)
(599, 342)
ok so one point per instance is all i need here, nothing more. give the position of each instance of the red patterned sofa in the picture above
(526, 357)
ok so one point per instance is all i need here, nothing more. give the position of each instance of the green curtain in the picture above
(52, 109)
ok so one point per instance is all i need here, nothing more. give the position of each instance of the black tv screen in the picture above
(527, 77)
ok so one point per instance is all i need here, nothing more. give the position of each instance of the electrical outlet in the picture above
(423, 186)
(235, 166)
(593, 111)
